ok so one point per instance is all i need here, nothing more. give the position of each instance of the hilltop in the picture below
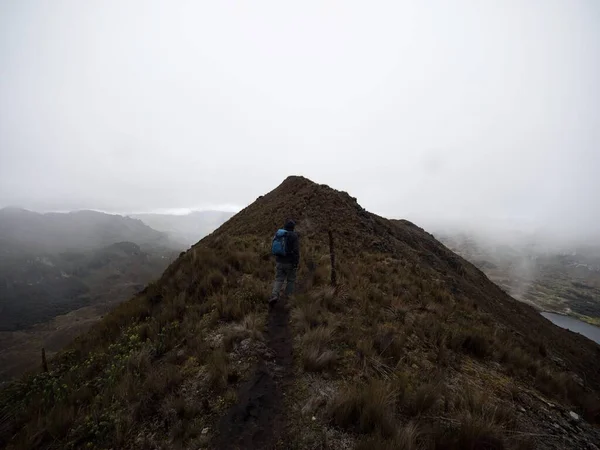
(413, 347)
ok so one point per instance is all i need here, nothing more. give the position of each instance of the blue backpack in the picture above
(279, 243)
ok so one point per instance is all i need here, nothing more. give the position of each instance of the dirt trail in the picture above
(256, 420)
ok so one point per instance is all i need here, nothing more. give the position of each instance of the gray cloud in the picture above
(443, 111)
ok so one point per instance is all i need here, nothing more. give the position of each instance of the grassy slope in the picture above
(40, 310)
(415, 348)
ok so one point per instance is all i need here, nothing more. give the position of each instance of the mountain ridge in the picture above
(85, 229)
(411, 347)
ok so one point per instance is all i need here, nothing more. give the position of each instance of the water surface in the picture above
(576, 325)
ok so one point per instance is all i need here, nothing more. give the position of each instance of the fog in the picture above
(465, 112)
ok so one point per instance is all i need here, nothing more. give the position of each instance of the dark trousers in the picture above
(284, 272)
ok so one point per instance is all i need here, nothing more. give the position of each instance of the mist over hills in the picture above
(24, 230)
(53, 263)
(185, 228)
(391, 341)
(70, 266)
(561, 275)
(61, 272)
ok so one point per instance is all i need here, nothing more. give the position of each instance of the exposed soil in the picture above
(255, 422)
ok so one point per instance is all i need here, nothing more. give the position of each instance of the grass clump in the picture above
(424, 398)
(252, 326)
(476, 344)
(217, 367)
(316, 356)
(365, 408)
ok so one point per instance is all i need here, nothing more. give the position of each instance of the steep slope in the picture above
(564, 280)
(413, 348)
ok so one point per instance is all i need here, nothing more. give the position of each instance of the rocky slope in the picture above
(410, 347)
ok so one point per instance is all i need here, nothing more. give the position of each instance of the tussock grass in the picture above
(315, 360)
(365, 408)
(476, 344)
(252, 326)
(406, 327)
(217, 367)
(230, 308)
(307, 315)
(389, 343)
(314, 345)
(424, 398)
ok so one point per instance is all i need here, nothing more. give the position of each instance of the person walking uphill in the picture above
(286, 248)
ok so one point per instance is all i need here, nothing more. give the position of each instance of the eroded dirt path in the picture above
(256, 421)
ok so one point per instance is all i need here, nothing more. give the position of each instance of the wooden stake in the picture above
(44, 362)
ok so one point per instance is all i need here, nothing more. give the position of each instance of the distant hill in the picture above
(392, 341)
(24, 230)
(53, 264)
(188, 228)
(564, 279)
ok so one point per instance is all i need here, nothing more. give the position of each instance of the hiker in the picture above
(286, 248)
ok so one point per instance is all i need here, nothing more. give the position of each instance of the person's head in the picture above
(289, 225)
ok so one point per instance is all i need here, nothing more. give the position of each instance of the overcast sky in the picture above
(437, 110)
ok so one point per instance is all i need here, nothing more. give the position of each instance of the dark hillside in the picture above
(319, 208)
(412, 348)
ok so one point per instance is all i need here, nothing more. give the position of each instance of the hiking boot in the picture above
(272, 301)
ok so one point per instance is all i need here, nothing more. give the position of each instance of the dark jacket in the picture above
(293, 250)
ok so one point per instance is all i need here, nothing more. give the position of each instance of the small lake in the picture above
(570, 323)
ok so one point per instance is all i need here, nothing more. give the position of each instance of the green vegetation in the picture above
(162, 356)
(413, 349)
(417, 367)
(565, 281)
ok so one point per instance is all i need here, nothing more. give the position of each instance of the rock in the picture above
(205, 431)
(574, 416)
(245, 345)
(215, 340)
(180, 353)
